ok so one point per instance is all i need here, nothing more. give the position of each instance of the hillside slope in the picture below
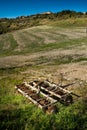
(43, 45)
(63, 18)
(43, 52)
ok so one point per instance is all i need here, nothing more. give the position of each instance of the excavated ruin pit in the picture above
(36, 97)
(45, 94)
(31, 92)
(43, 102)
(45, 86)
(44, 91)
(60, 93)
(20, 85)
(50, 88)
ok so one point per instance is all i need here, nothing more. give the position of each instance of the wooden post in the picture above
(61, 79)
(38, 90)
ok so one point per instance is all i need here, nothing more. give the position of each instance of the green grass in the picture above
(33, 43)
(63, 45)
(7, 40)
(70, 23)
(58, 60)
(16, 112)
(67, 59)
(35, 47)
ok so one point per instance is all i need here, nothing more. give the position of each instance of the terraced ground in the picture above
(42, 52)
(45, 45)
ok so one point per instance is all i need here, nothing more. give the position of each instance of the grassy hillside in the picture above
(41, 38)
(70, 17)
(44, 52)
